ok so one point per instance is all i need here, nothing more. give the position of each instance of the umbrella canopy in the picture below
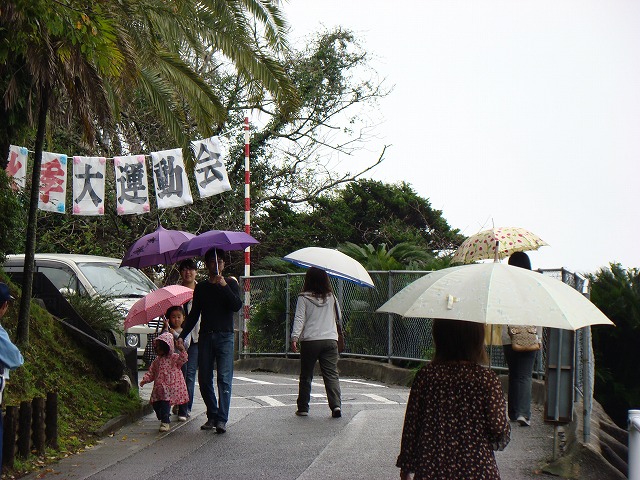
(222, 239)
(336, 264)
(495, 293)
(157, 248)
(156, 303)
(482, 246)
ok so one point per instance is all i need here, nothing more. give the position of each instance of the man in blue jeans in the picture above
(214, 302)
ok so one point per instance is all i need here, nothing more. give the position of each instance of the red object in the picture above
(156, 303)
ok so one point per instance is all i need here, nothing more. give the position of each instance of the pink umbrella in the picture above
(156, 303)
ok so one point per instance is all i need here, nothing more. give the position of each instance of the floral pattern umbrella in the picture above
(496, 243)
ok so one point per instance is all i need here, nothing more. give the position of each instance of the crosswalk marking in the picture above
(272, 402)
(253, 380)
(362, 383)
(380, 399)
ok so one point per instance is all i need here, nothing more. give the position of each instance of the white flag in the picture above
(211, 176)
(17, 166)
(88, 185)
(132, 190)
(170, 178)
(53, 182)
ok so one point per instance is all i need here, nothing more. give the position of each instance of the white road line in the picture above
(272, 402)
(363, 383)
(380, 399)
(246, 379)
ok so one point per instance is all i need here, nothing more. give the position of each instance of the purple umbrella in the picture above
(157, 248)
(221, 239)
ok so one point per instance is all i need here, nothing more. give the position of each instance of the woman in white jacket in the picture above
(314, 326)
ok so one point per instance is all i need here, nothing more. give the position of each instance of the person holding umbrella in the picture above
(520, 364)
(215, 300)
(314, 326)
(456, 413)
(188, 270)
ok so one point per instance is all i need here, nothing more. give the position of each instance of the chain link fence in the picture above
(369, 334)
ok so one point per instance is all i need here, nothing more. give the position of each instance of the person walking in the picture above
(520, 364)
(456, 413)
(215, 300)
(314, 327)
(188, 271)
(166, 374)
(10, 356)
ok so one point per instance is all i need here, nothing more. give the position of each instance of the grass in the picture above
(54, 363)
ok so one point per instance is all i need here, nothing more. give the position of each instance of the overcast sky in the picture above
(509, 114)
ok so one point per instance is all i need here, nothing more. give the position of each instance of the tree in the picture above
(616, 292)
(402, 256)
(89, 56)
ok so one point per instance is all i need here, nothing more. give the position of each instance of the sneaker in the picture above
(523, 421)
(164, 427)
(336, 412)
(210, 425)
(301, 413)
(221, 427)
(182, 418)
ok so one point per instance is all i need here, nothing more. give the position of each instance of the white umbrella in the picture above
(336, 264)
(495, 293)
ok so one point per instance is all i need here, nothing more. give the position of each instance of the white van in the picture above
(94, 275)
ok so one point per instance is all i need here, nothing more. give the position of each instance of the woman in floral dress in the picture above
(456, 414)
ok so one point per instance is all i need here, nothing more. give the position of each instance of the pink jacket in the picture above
(165, 373)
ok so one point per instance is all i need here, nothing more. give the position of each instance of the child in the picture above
(176, 316)
(168, 382)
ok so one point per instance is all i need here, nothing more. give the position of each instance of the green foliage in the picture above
(403, 256)
(12, 219)
(616, 292)
(54, 363)
(100, 313)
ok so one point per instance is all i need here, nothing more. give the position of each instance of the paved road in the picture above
(266, 440)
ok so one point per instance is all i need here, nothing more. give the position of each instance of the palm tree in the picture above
(403, 256)
(91, 56)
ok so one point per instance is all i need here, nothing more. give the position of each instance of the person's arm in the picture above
(194, 313)
(10, 356)
(232, 294)
(150, 375)
(298, 322)
(411, 430)
(499, 430)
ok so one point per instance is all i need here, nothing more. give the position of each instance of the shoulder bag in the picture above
(524, 338)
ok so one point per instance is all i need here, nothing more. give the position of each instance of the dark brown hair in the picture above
(520, 259)
(316, 282)
(179, 308)
(457, 340)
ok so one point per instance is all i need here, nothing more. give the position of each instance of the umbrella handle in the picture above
(496, 258)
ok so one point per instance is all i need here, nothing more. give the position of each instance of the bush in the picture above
(100, 313)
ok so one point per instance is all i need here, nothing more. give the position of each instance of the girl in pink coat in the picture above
(169, 387)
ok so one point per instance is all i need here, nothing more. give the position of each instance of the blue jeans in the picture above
(520, 381)
(163, 410)
(216, 348)
(192, 369)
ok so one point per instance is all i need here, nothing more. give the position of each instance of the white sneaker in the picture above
(182, 418)
(523, 421)
(165, 427)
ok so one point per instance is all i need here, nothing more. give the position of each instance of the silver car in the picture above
(94, 275)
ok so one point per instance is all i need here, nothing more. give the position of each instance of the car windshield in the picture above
(113, 281)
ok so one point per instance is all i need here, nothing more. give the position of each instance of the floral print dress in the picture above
(164, 372)
(455, 418)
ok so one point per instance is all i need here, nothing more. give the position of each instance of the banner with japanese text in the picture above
(132, 190)
(17, 166)
(88, 185)
(170, 178)
(210, 172)
(53, 182)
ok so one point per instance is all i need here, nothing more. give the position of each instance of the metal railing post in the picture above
(389, 321)
(634, 444)
(587, 396)
(287, 321)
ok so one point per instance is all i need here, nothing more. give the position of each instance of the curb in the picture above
(118, 422)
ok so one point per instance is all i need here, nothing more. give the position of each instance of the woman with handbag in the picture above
(315, 328)
(520, 344)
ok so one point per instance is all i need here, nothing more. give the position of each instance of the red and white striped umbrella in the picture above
(156, 303)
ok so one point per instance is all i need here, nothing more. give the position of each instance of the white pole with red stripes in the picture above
(247, 229)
